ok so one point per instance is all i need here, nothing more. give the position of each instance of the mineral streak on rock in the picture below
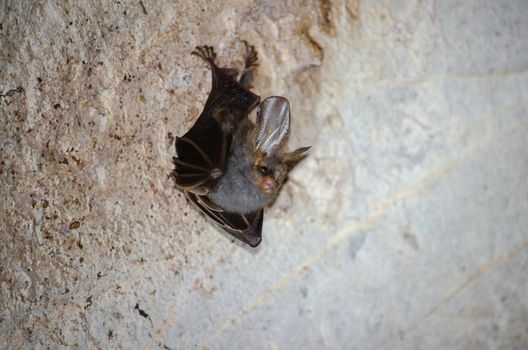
(405, 228)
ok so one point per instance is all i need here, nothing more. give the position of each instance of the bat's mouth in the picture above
(267, 184)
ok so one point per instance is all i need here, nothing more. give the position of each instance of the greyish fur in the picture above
(235, 191)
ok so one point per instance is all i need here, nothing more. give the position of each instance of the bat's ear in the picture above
(291, 159)
(273, 124)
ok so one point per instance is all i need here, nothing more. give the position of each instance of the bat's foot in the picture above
(205, 52)
(251, 56)
(250, 63)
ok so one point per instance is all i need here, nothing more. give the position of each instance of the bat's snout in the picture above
(268, 185)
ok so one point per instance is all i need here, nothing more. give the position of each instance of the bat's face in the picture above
(268, 174)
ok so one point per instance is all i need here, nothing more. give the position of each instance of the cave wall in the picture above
(405, 228)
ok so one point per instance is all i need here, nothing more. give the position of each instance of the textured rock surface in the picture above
(406, 228)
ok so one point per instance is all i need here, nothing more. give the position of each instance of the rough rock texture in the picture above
(405, 228)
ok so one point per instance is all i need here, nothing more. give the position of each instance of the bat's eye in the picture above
(263, 170)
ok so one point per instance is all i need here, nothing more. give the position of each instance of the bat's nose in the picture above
(268, 185)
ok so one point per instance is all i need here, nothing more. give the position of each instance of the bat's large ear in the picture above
(292, 158)
(273, 124)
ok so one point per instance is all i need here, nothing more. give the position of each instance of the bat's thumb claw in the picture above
(216, 173)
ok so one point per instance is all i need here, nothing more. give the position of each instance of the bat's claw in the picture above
(251, 56)
(250, 63)
(205, 52)
(216, 173)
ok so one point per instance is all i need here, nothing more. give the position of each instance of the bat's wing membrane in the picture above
(201, 156)
(202, 151)
(244, 227)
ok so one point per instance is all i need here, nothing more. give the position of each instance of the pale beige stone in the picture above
(405, 228)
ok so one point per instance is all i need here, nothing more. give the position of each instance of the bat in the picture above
(228, 167)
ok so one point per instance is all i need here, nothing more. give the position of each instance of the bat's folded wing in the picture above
(203, 150)
(202, 153)
(244, 227)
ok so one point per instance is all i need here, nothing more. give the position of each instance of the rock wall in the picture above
(405, 228)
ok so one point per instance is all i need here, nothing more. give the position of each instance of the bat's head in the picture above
(271, 160)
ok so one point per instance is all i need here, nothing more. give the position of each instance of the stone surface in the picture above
(405, 228)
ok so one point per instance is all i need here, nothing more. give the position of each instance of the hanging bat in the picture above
(227, 166)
